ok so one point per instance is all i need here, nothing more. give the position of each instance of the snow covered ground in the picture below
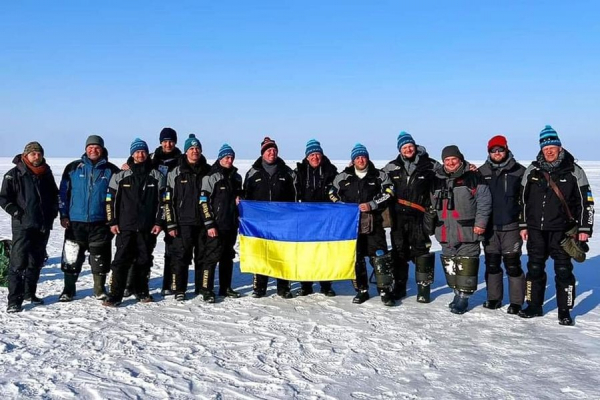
(305, 348)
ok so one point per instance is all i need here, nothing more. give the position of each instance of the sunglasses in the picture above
(497, 150)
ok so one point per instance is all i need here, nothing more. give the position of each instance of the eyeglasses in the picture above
(497, 150)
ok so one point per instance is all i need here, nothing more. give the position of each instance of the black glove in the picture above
(15, 211)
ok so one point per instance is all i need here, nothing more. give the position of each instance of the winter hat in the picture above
(266, 144)
(191, 141)
(451, 151)
(313, 146)
(225, 151)
(168, 134)
(33, 146)
(359, 150)
(138, 144)
(405, 138)
(549, 137)
(497, 141)
(94, 140)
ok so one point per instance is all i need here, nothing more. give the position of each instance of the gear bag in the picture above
(5, 246)
(574, 247)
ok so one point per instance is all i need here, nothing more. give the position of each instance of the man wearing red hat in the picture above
(502, 241)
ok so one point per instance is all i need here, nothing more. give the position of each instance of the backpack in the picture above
(5, 245)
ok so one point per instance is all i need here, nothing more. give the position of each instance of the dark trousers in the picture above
(189, 243)
(219, 250)
(168, 265)
(366, 246)
(26, 262)
(81, 237)
(540, 246)
(134, 250)
(409, 241)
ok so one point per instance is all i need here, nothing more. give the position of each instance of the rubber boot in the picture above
(69, 291)
(99, 287)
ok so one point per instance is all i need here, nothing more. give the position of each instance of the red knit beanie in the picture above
(497, 141)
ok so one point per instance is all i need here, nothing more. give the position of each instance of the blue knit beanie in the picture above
(225, 151)
(138, 144)
(359, 150)
(313, 146)
(404, 138)
(549, 137)
(191, 141)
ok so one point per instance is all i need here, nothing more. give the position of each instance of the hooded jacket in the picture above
(504, 181)
(133, 197)
(83, 189)
(259, 185)
(542, 209)
(313, 184)
(182, 199)
(217, 199)
(412, 181)
(31, 200)
(462, 201)
(374, 188)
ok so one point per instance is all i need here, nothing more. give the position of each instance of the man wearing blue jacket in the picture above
(83, 215)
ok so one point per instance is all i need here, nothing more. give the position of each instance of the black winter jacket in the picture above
(259, 185)
(217, 199)
(313, 184)
(375, 188)
(31, 200)
(134, 196)
(182, 200)
(412, 182)
(504, 181)
(542, 208)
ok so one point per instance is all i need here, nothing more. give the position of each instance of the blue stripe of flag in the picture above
(299, 222)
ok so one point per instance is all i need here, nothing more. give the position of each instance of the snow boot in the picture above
(492, 304)
(33, 299)
(423, 293)
(387, 299)
(69, 291)
(361, 297)
(14, 308)
(564, 317)
(531, 311)
(461, 305)
(99, 287)
(513, 309)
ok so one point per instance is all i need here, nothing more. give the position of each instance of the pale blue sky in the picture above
(340, 71)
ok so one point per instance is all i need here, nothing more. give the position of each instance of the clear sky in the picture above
(448, 72)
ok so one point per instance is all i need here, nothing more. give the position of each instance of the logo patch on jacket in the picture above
(590, 198)
(126, 185)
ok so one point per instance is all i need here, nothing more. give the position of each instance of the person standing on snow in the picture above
(183, 217)
(557, 198)
(133, 212)
(412, 174)
(30, 196)
(83, 215)
(221, 191)
(463, 203)
(270, 179)
(370, 188)
(502, 242)
(165, 158)
(314, 178)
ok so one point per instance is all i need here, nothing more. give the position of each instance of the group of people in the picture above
(498, 205)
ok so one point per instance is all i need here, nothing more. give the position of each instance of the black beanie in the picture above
(168, 134)
(452, 151)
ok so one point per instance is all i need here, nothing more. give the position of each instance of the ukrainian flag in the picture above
(298, 241)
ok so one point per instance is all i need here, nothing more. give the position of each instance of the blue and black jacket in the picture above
(83, 189)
